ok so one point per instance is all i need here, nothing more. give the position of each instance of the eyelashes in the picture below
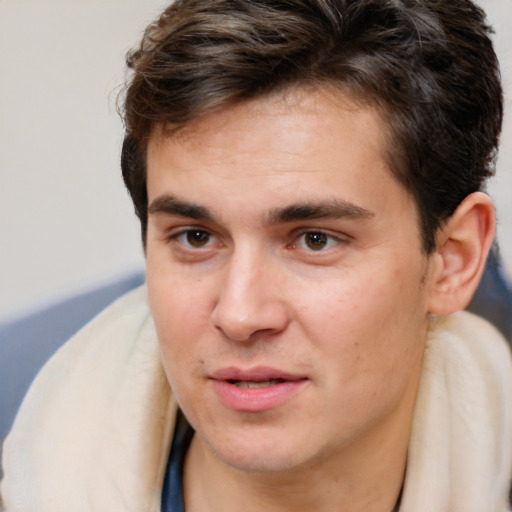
(316, 241)
(194, 239)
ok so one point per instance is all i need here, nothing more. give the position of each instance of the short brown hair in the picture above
(428, 65)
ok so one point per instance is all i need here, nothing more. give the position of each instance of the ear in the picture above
(459, 260)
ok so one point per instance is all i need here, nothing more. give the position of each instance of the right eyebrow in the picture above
(170, 205)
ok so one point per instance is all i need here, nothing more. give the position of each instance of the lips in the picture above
(255, 374)
(251, 384)
(257, 389)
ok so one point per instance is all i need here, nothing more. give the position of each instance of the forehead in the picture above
(297, 122)
(297, 146)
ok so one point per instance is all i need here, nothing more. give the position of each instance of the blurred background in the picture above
(66, 221)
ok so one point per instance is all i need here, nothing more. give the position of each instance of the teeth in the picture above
(256, 384)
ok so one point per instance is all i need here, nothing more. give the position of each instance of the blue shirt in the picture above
(172, 492)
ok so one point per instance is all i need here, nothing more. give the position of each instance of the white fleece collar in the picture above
(94, 431)
(460, 452)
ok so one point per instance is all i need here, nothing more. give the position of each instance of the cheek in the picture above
(173, 294)
(180, 319)
(179, 325)
(341, 308)
(369, 325)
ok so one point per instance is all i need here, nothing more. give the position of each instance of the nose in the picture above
(250, 303)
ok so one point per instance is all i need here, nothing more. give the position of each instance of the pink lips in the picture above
(257, 389)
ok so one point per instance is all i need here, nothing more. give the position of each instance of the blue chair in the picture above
(493, 298)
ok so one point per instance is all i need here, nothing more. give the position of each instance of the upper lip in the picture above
(257, 373)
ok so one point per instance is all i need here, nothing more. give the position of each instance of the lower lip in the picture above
(256, 399)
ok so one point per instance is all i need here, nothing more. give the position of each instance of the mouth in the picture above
(251, 384)
(260, 375)
(257, 389)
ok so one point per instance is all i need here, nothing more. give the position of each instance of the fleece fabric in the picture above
(94, 431)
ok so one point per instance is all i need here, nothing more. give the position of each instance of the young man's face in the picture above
(286, 280)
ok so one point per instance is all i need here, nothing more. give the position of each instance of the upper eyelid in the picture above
(185, 228)
(178, 231)
(173, 237)
(331, 233)
(174, 231)
(166, 222)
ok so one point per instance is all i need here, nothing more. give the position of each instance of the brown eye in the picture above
(316, 240)
(197, 238)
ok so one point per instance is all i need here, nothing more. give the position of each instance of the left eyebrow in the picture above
(336, 208)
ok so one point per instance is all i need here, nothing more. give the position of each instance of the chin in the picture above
(261, 452)
(257, 461)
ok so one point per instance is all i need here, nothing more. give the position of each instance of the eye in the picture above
(316, 241)
(194, 238)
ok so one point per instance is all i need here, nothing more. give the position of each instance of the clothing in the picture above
(172, 492)
(94, 431)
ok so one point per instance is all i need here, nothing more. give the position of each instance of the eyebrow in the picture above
(334, 208)
(170, 205)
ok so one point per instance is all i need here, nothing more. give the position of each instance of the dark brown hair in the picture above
(428, 65)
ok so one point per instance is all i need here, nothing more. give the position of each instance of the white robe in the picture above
(94, 431)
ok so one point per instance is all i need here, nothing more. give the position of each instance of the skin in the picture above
(238, 278)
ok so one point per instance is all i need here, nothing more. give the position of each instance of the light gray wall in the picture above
(500, 15)
(65, 219)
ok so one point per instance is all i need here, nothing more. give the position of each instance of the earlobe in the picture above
(459, 260)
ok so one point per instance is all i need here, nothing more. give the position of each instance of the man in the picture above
(308, 178)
